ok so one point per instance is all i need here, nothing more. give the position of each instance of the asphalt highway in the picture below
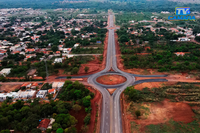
(111, 121)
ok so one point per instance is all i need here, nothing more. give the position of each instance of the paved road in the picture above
(111, 111)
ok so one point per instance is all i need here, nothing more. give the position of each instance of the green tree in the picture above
(137, 113)
(132, 93)
(123, 38)
(86, 69)
(25, 129)
(87, 119)
(76, 107)
(43, 75)
(54, 48)
(48, 130)
(35, 130)
(84, 129)
(59, 130)
(75, 70)
(55, 126)
(5, 131)
(50, 96)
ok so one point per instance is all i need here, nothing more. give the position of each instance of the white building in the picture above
(183, 39)
(3, 96)
(165, 12)
(76, 45)
(25, 94)
(5, 71)
(58, 60)
(52, 120)
(57, 85)
(41, 94)
(18, 95)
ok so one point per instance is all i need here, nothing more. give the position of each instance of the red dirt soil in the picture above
(94, 102)
(93, 65)
(111, 79)
(164, 111)
(150, 85)
(80, 115)
(158, 113)
(111, 91)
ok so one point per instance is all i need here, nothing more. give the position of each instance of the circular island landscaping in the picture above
(111, 79)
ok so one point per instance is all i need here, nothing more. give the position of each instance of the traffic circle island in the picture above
(111, 79)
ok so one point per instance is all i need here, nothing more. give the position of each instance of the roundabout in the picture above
(111, 79)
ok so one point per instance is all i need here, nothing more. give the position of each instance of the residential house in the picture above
(180, 53)
(52, 120)
(41, 94)
(43, 124)
(51, 91)
(60, 47)
(34, 85)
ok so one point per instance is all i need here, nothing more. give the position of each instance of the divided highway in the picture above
(111, 121)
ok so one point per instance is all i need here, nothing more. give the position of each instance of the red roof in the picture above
(51, 90)
(35, 84)
(57, 52)
(30, 50)
(44, 123)
(25, 84)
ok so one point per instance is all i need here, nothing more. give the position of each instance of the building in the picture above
(76, 45)
(58, 60)
(31, 73)
(43, 124)
(51, 123)
(25, 94)
(183, 39)
(34, 85)
(180, 53)
(5, 71)
(27, 85)
(41, 94)
(51, 91)
(3, 96)
(57, 85)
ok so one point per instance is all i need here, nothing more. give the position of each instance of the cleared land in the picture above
(164, 107)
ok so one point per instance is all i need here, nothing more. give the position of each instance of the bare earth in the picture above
(9, 88)
(111, 79)
(156, 113)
